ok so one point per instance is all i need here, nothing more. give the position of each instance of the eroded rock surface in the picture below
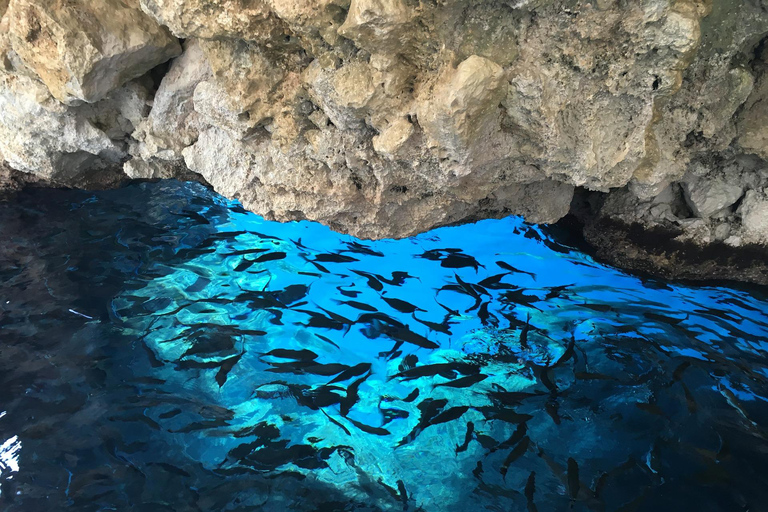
(387, 118)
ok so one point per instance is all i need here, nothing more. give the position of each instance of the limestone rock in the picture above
(41, 136)
(463, 108)
(172, 124)
(389, 117)
(754, 216)
(707, 196)
(250, 20)
(82, 50)
(378, 25)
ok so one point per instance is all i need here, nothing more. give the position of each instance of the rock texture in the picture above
(386, 118)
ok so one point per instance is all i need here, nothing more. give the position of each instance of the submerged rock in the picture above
(385, 119)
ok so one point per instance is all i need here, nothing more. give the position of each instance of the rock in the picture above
(463, 108)
(754, 216)
(250, 20)
(83, 50)
(388, 118)
(708, 196)
(394, 136)
(378, 25)
(172, 124)
(40, 135)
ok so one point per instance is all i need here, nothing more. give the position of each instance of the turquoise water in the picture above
(163, 349)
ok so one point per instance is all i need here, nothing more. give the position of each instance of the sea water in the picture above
(163, 349)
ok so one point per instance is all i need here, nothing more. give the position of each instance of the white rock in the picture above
(707, 196)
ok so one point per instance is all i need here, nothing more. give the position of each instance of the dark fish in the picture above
(348, 293)
(170, 414)
(569, 352)
(437, 254)
(194, 216)
(450, 414)
(320, 267)
(170, 468)
(403, 494)
(413, 395)
(408, 362)
(552, 407)
(467, 438)
(463, 382)
(690, 401)
(359, 248)
(245, 251)
(334, 258)
(573, 478)
(494, 282)
(677, 374)
(351, 397)
(429, 409)
(530, 490)
(505, 415)
(350, 372)
(266, 237)
(663, 318)
(272, 256)
(401, 305)
(408, 336)
(515, 438)
(519, 297)
(434, 326)
(245, 264)
(430, 370)
(373, 283)
(393, 414)
(478, 471)
(299, 355)
(507, 266)
(225, 368)
(317, 398)
(337, 423)
(358, 305)
(337, 317)
(555, 291)
(517, 452)
(485, 317)
(327, 340)
(460, 261)
(377, 431)
(292, 293)
(524, 333)
(321, 321)
(398, 278)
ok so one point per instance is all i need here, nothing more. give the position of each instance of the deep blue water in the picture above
(162, 349)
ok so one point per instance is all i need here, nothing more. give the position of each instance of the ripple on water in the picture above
(162, 348)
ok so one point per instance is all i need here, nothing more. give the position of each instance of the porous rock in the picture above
(83, 49)
(388, 118)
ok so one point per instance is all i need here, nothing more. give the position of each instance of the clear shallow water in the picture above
(162, 349)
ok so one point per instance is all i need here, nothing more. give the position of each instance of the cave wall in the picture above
(384, 118)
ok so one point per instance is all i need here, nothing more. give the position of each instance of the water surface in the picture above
(163, 349)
